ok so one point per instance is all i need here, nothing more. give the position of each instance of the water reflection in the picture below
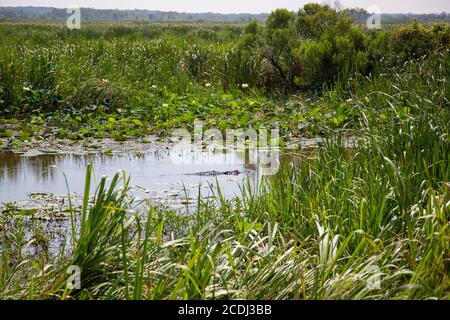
(152, 171)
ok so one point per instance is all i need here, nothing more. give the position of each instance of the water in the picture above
(153, 174)
(36, 185)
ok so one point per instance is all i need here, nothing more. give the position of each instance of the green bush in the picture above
(316, 45)
(412, 42)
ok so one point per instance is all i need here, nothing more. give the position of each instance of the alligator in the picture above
(215, 173)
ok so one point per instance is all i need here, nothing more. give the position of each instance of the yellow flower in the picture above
(154, 87)
(244, 85)
(349, 100)
(208, 85)
(367, 99)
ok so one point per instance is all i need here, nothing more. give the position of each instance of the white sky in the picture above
(236, 6)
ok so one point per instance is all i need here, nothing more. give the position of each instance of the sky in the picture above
(236, 6)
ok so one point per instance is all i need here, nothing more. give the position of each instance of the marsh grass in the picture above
(327, 225)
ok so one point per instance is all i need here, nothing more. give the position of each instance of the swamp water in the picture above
(154, 175)
(33, 184)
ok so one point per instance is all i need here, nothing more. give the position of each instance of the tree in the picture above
(315, 45)
(277, 45)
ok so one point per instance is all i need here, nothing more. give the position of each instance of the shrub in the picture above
(412, 42)
(316, 45)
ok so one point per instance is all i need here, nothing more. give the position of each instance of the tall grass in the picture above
(105, 61)
(329, 225)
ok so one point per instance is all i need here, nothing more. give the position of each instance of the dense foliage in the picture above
(86, 79)
(323, 228)
(376, 205)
